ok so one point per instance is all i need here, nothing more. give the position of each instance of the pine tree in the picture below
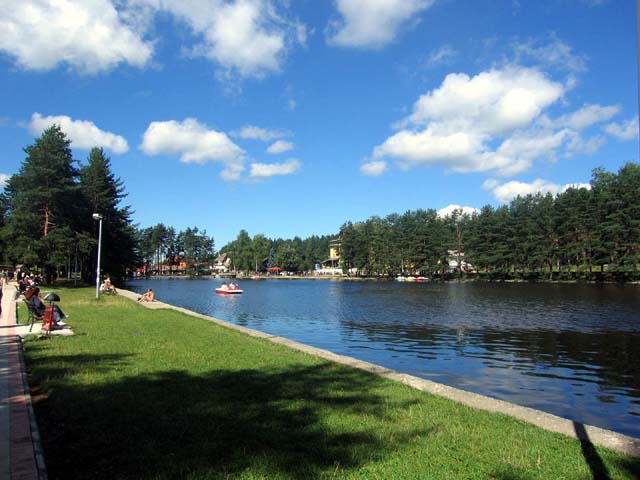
(103, 193)
(43, 204)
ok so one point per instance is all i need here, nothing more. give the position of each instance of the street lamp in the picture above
(97, 216)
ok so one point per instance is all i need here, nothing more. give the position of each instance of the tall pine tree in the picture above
(103, 193)
(43, 204)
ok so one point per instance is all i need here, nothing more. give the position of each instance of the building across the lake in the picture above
(331, 266)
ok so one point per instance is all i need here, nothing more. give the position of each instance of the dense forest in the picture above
(46, 225)
(581, 233)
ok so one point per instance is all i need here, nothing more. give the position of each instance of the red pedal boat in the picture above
(228, 290)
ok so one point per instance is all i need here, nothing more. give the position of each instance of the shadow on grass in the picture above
(296, 422)
(596, 465)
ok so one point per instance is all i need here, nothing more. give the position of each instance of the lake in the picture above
(571, 350)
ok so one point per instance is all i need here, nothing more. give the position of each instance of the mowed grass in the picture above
(156, 394)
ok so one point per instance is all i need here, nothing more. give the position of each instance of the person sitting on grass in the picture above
(106, 287)
(148, 297)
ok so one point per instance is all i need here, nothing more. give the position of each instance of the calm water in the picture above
(571, 350)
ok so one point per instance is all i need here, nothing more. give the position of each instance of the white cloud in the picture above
(248, 37)
(627, 130)
(251, 132)
(551, 52)
(584, 117)
(441, 56)
(3, 180)
(269, 170)
(195, 143)
(374, 168)
(280, 146)
(578, 145)
(372, 23)
(518, 151)
(506, 192)
(494, 101)
(232, 172)
(82, 133)
(449, 209)
(457, 124)
(431, 147)
(89, 36)
(494, 121)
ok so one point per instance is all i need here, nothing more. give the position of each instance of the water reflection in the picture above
(565, 349)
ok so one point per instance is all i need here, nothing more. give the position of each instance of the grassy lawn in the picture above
(155, 394)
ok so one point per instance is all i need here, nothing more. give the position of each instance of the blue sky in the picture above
(289, 117)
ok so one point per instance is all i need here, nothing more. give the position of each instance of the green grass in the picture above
(155, 394)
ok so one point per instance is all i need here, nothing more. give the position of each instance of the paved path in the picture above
(20, 452)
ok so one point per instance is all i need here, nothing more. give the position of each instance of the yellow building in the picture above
(335, 247)
(332, 264)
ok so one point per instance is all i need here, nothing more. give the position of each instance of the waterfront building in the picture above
(331, 266)
(223, 262)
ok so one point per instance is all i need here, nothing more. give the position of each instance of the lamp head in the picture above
(97, 216)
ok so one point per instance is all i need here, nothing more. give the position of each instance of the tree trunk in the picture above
(46, 221)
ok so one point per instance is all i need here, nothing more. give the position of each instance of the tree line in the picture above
(46, 224)
(589, 233)
(258, 253)
(162, 250)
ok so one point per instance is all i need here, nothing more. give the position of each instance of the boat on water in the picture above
(409, 278)
(228, 290)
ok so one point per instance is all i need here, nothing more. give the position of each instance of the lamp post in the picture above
(97, 216)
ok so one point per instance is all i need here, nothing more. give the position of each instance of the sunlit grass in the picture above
(156, 394)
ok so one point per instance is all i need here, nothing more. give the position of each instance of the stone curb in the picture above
(38, 452)
(546, 421)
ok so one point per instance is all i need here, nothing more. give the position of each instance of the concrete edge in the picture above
(38, 451)
(546, 421)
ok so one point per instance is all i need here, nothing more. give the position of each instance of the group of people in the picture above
(107, 287)
(26, 281)
(230, 286)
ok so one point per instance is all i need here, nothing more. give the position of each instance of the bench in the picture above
(47, 319)
(33, 316)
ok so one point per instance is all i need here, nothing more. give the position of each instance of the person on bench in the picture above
(33, 297)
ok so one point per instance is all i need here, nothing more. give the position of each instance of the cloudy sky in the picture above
(289, 117)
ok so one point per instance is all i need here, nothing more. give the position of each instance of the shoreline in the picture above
(553, 423)
(336, 278)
